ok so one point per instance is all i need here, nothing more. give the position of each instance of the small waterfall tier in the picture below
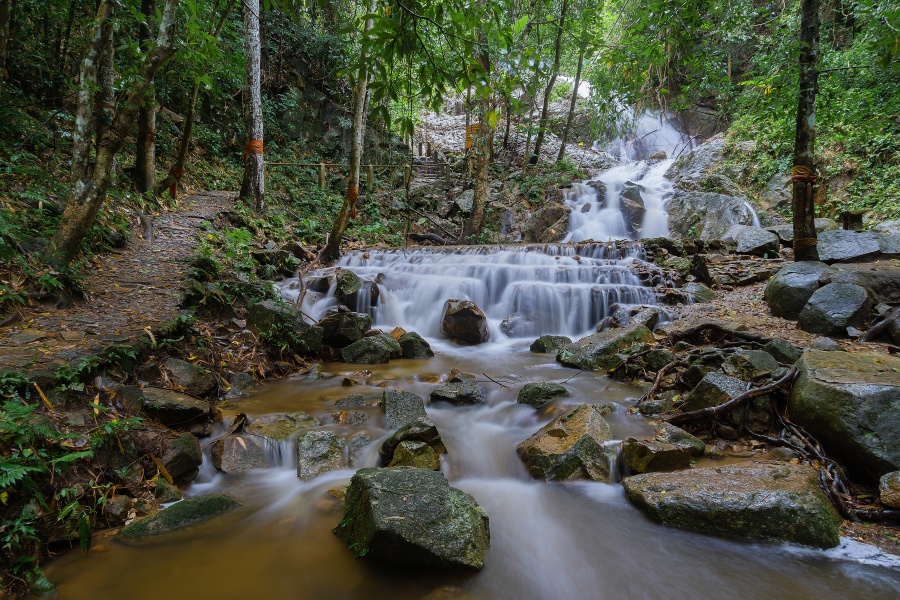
(524, 291)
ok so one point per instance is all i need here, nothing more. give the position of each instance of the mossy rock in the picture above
(539, 393)
(178, 516)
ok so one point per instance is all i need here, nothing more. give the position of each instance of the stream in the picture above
(573, 540)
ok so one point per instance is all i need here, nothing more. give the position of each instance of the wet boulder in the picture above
(889, 490)
(413, 346)
(319, 452)
(549, 343)
(782, 351)
(194, 380)
(182, 456)
(752, 240)
(546, 225)
(670, 434)
(401, 408)
(347, 283)
(178, 516)
(599, 351)
(270, 316)
(280, 427)
(633, 207)
(341, 327)
(850, 402)
(785, 234)
(841, 245)
(747, 364)
(714, 389)
(755, 500)
(835, 307)
(465, 392)
(646, 455)
(464, 322)
(706, 215)
(416, 444)
(377, 349)
(540, 393)
(175, 409)
(792, 287)
(412, 516)
(237, 454)
(572, 446)
(698, 292)
(370, 399)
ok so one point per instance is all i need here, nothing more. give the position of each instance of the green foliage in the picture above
(537, 181)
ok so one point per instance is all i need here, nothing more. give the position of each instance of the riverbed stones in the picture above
(267, 315)
(341, 327)
(889, 490)
(549, 343)
(237, 454)
(752, 240)
(373, 350)
(194, 380)
(850, 402)
(755, 500)
(792, 287)
(413, 517)
(599, 351)
(747, 364)
(782, 351)
(319, 452)
(460, 393)
(835, 307)
(410, 436)
(714, 389)
(401, 408)
(182, 456)
(464, 322)
(175, 409)
(280, 427)
(180, 515)
(572, 446)
(413, 346)
(539, 393)
(642, 456)
(698, 292)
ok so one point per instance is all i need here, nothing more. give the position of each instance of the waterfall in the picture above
(525, 292)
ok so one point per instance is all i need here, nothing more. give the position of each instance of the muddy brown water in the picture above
(548, 540)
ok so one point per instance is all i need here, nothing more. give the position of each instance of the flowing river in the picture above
(574, 540)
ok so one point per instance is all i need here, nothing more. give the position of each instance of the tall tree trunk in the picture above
(482, 152)
(804, 171)
(348, 209)
(571, 115)
(88, 195)
(4, 39)
(178, 170)
(557, 52)
(87, 82)
(145, 156)
(254, 185)
(105, 103)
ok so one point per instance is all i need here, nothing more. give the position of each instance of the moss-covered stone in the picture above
(464, 392)
(412, 516)
(319, 452)
(377, 349)
(549, 343)
(642, 456)
(415, 454)
(600, 351)
(414, 346)
(714, 389)
(421, 430)
(280, 427)
(756, 500)
(179, 516)
(402, 407)
(540, 393)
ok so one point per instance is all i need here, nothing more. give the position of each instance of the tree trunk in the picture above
(145, 156)
(88, 194)
(542, 126)
(254, 185)
(571, 115)
(4, 39)
(348, 209)
(804, 171)
(481, 150)
(178, 170)
(105, 104)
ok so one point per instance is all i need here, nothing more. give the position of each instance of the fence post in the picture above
(322, 176)
(370, 177)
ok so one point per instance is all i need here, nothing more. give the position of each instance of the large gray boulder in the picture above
(548, 224)
(182, 457)
(706, 215)
(714, 389)
(689, 169)
(237, 454)
(755, 500)
(850, 402)
(841, 245)
(412, 516)
(571, 446)
(599, 351)
(752, 240)
(194, 380)
(464, 322)
(835, 307)
(792, 287)
(174, 409)
(373, 350)
(319, 452)
(401, 408)
(633, 208)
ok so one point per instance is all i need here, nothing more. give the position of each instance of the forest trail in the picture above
(127, 291)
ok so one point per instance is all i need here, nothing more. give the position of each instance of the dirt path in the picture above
(128, 290)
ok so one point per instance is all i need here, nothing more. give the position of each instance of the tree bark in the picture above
(88, 195)
(571, 115)
(145, 156)
(254, 184)
(105, 105)
(804, 171)
(481, 150)
(178, 170)
(557, 52)
(4, 39)
(348, 209)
